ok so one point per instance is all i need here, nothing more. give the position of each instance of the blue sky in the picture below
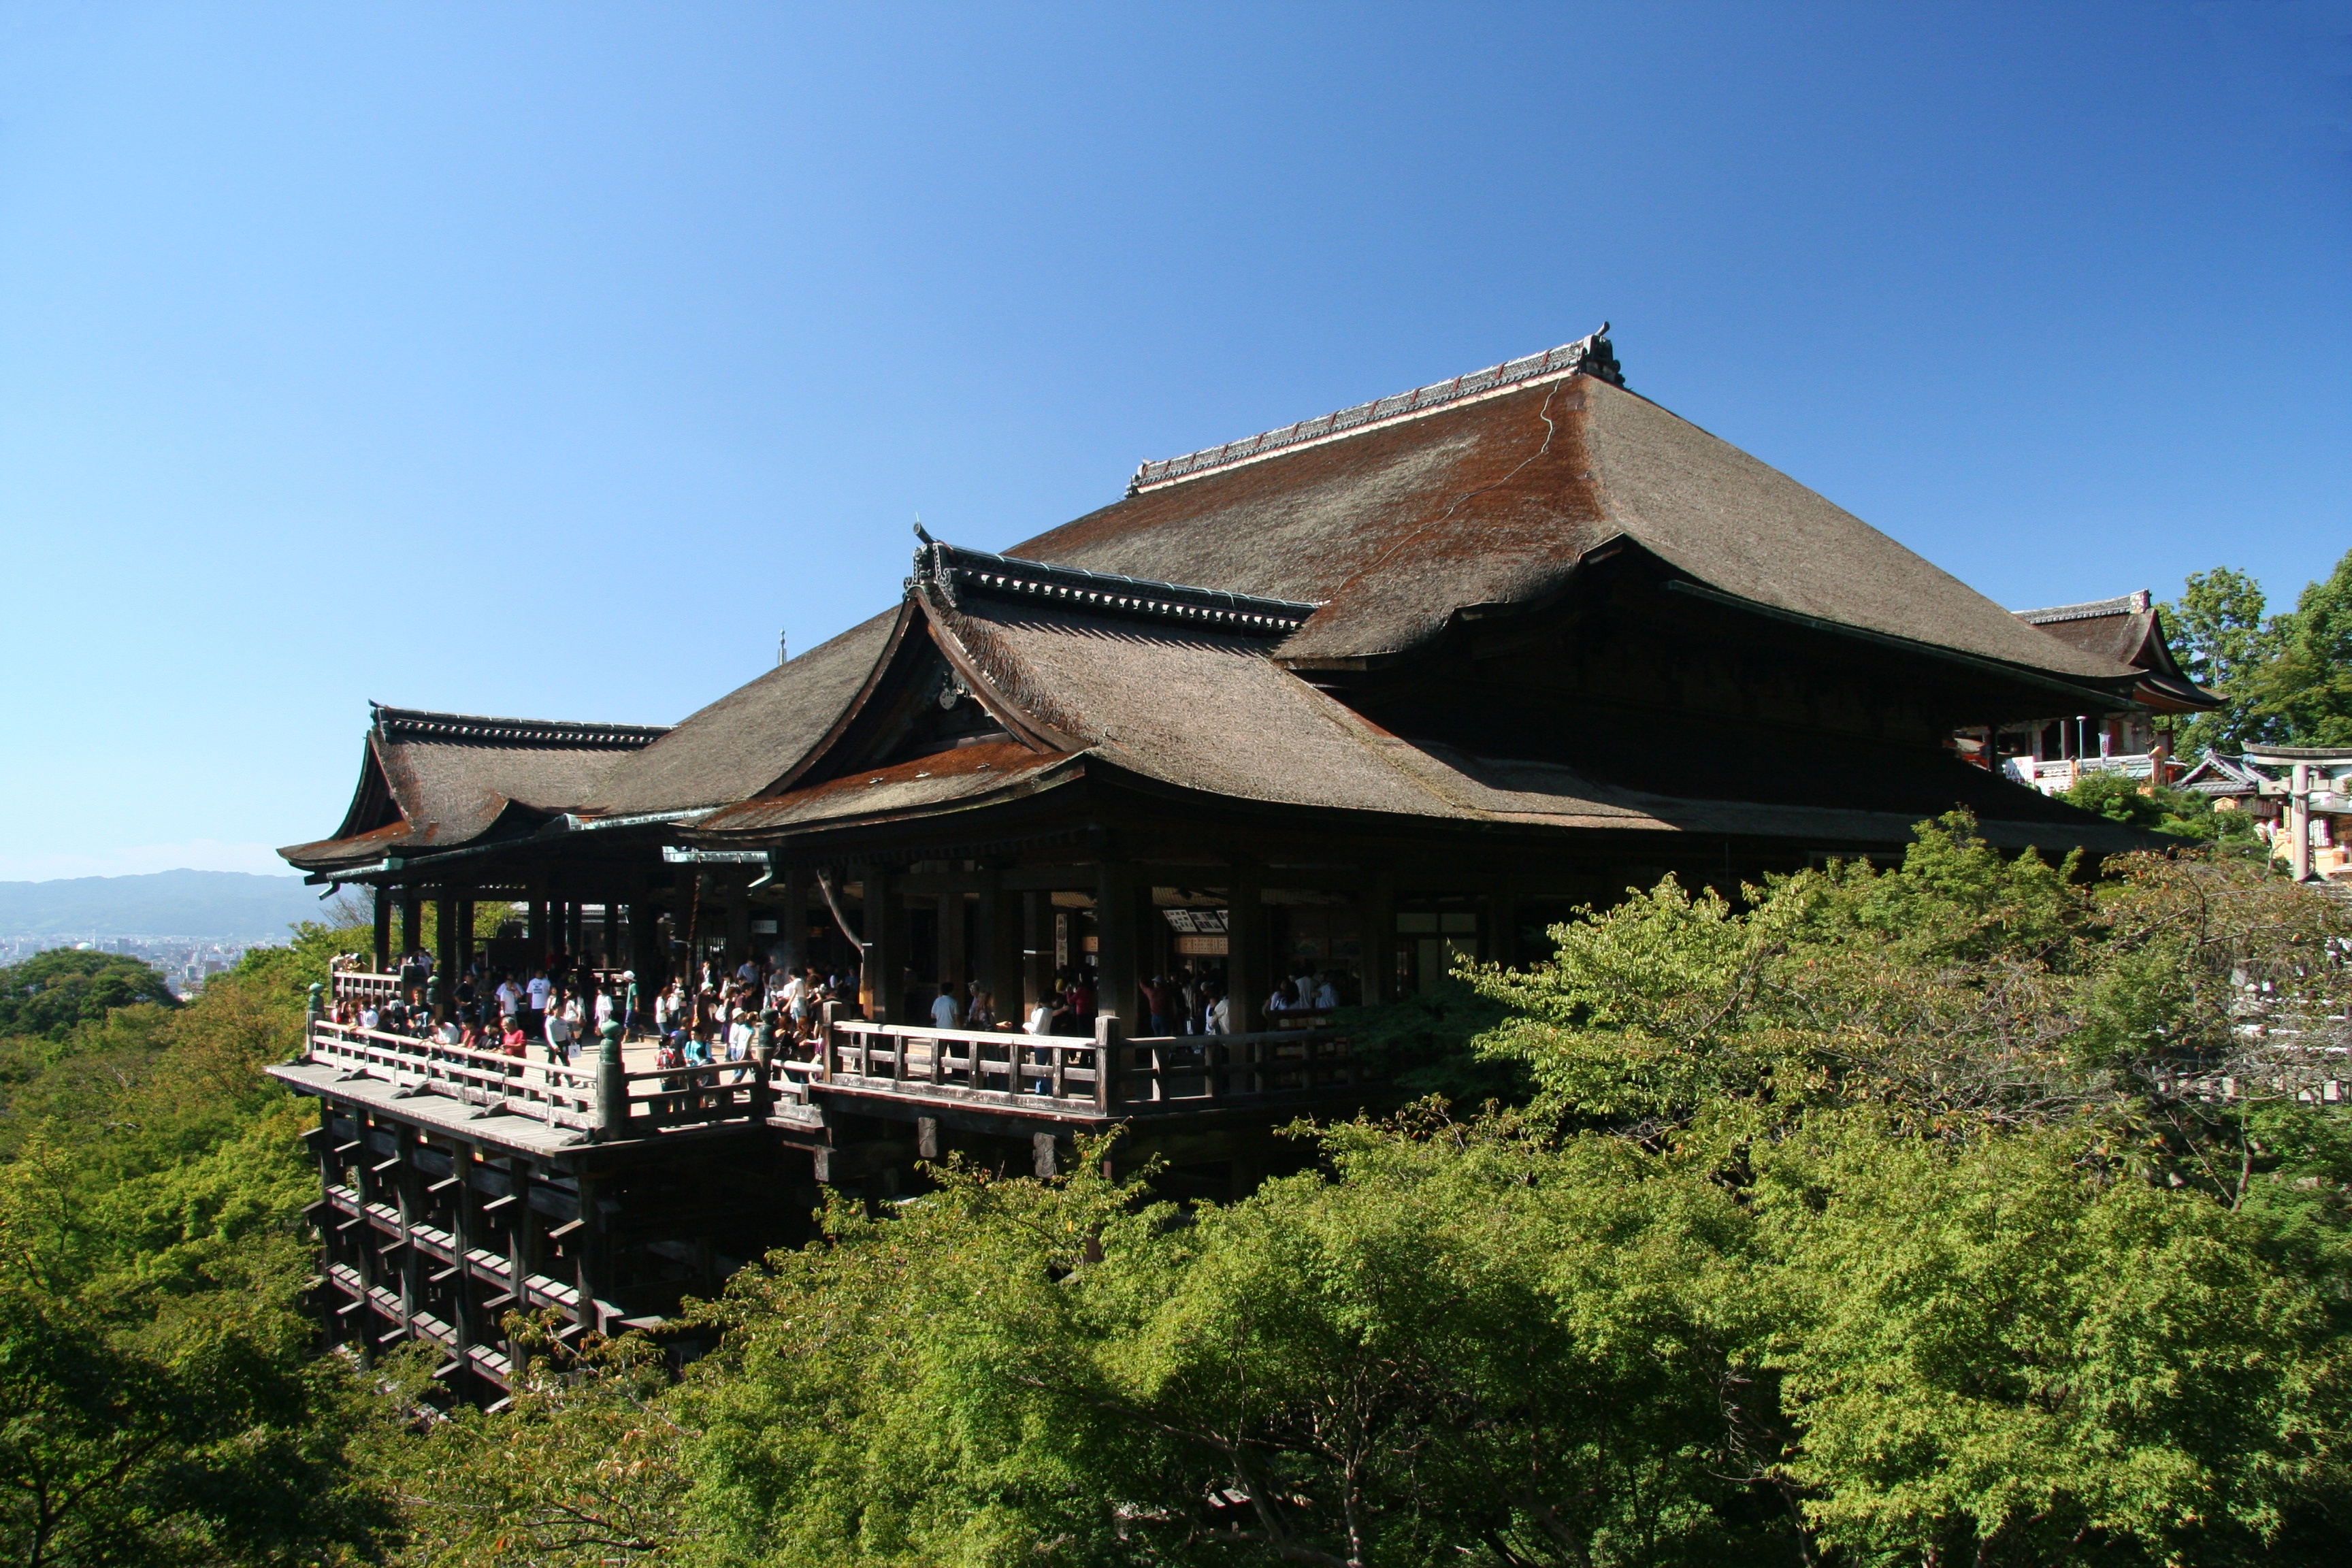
(544, 360)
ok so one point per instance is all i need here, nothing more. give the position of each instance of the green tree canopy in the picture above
(2303, 694)
(2285, 680)
(51, 992)
(2217, 632)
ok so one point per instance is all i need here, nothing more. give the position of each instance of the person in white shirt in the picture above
(509, 996)
(539, 987)
(1221, 1014)
(945, 1014)
(1041, 1018)
(1326, 995)
(603, 1010)
(369, 1016)
(559, 1035)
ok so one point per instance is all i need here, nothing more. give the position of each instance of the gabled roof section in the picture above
(2128, 630)
(1397, 524)
(434, 781)
(754, 736)
(1097, 690)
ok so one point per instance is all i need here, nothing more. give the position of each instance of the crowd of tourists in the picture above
(559, 1010)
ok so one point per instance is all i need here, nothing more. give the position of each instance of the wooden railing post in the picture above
(611, 1084)
(1107, 1055)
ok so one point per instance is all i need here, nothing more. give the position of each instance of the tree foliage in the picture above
(161, 1399)
(52, 992)
(2285, 680)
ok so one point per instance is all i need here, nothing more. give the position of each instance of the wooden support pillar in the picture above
(1037, 950)
(522, 1257)
(1503, 923)
(408, 1188)
(1116, 902)
(647, 960)
(738, 925)
(588, 1247)
(1246, 966)
(685, 921)
(612, 934)
(466, 1323)
(535, 922)
(792, 921)
(955, 967)
(1000, 949)
(464, 933)
(412, 922)
(883, 925)
(383, 931)
(446, 963)
(1379, 937)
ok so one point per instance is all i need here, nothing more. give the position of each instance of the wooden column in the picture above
(955, 965)
(1115, 899)
(446, 963)
(465, 936)
(647, 960)
(1503, 923)
(1245, 968)
(522, 1258)
(612, 934)
(738, 924)
(1037, 950)
(685, 921)
(383, 931)
(535, 923)
(411, 921)
(1379, 937)
(883, 926)
(792, 921)
(409, 1194)
(1000, 949)
(465, 1222)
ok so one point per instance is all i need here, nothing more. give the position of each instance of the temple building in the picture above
(1351, 699)
(2053, 753)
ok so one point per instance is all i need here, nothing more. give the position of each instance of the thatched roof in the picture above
(434, 781)
(1368, 532)
(1394, 527)
(1108, 686)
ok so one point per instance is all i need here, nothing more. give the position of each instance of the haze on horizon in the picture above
(545, 360)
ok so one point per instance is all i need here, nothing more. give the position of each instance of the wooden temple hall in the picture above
(1352, 699)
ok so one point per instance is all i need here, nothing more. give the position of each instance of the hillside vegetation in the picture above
(1976, 1210)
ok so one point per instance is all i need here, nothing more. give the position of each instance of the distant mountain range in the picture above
(163, 903)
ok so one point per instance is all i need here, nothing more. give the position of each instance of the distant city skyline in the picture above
(545, 362)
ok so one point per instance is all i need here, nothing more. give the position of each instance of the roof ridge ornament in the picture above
(949, 572)
(2137, 601)
(1590, 355)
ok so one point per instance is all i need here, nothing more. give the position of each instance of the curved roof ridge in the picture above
(1591, 355)
(2131, 603)
(424, 725)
